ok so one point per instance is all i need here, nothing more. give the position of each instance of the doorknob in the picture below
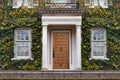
(53, 52)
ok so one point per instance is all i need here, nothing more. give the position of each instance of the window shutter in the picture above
(87, 2)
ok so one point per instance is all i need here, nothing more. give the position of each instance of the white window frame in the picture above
(92, 4)
(26, 5)
(104, 57)
(15, 46)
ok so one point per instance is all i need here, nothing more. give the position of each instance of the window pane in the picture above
(23, 48)
(98, 35)
(28, 2)
(17, 3)
(98, 48)
(60, 1)
(95, 2)
(23, 35)
(36, 2)
(101, 2)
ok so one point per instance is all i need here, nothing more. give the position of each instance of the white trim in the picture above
(99, 58)
(45, 47)
(15, 47)
(22, 58)
(93, 5)
(78, 48)
(61, 20)
(69, 48)
(104, 57)
(20, 2)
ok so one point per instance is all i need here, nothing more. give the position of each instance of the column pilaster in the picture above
(44, 48)
(78, 47)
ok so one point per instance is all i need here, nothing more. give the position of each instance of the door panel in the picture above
(60, 50)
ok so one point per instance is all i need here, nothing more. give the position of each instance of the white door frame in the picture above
(52, 48)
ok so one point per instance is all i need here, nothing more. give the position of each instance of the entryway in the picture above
(61, 39)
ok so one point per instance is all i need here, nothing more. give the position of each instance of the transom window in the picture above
(98, 44)
(22, 47)
(27, 3)
(93, 3)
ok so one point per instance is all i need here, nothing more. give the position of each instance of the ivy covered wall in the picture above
(10, 19)
(108, 19)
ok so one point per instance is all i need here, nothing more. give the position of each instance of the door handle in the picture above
(53, 52)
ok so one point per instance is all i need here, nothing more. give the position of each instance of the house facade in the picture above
(57, 35)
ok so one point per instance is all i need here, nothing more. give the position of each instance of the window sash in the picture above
(23, 35)
(95, 2)
(22, 47)
(100, 2)
(27, 3)
(98, 47)
(103, 2)
(92, 3)
(98, 35)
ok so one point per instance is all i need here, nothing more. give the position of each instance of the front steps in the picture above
(59, 74)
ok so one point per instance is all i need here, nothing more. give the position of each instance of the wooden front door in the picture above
(60, 50)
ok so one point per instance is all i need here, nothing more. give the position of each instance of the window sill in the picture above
(24, 6)
(99, 58)
(22, 58)
(96, 6)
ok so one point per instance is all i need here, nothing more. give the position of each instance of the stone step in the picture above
(59, 74)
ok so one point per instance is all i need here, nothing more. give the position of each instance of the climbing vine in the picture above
(102, 18)
(10, 19)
